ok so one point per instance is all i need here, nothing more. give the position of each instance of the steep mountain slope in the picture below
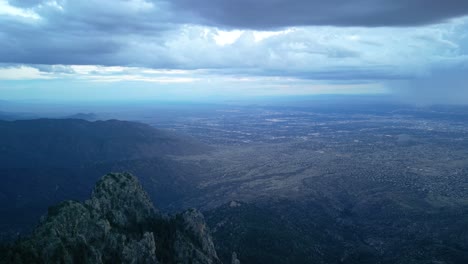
(118, 224)
(75, 142)
(45, 161)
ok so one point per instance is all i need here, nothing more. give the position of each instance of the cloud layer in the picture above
(266, 14)
(280, 42)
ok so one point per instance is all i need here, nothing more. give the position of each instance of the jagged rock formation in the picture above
(234, 259)
(122, 200)
(118, 224)
(192, 239)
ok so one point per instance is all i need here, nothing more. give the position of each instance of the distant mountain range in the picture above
(7, 116)
(45, 161)
(83, 116)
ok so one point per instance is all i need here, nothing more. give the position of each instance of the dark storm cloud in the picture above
(267, 14)
(51, 47)
(79, 32)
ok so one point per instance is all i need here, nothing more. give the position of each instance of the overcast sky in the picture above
(185, 49)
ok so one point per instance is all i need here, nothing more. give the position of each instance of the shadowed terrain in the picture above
(358, 183)
(46, 161)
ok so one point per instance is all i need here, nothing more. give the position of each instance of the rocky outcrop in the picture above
(234, 259)
(118, 224)
(142, 251)
(193, 239)
(122, 200)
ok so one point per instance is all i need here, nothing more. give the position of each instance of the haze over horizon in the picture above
(181, 50)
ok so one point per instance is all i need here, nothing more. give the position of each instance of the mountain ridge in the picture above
(76, 142)
(45, 161)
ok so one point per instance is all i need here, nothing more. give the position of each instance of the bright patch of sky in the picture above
(7, 10)
(23, 73)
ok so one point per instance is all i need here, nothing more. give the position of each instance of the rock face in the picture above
(234, 259)
(122, 200)
(192, 239)
(117, 225)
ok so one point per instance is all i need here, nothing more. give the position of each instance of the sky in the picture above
(190, 50)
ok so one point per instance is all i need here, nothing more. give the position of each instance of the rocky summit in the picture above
(118, 224)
